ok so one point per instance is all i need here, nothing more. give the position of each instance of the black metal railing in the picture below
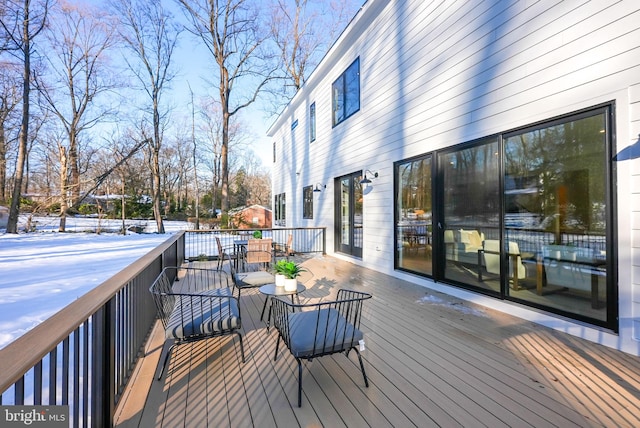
(201, 244)
(83, 356)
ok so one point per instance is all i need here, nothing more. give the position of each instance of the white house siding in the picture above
(632, 311)
(434, 74)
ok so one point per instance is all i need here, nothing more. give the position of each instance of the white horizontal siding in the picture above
(439, 73)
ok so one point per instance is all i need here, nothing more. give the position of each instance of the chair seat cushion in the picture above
(254, 279)
(332, 333)
(195, 316)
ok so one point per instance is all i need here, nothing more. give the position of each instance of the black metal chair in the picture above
(316, 329)
(255, 266)
(195, 304)
(226, 253)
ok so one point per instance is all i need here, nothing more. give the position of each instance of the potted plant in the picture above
(257, 234)
(278, 270)
(291, 272)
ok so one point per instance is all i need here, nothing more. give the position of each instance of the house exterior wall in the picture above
(253, 216)
(437, 74)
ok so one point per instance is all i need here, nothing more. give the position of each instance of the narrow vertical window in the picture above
(280, 208)
(274, 152)
(312, 122)
(307, 202)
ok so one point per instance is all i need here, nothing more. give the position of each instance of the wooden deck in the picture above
(432, 360)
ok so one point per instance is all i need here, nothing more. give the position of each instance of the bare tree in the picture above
(149, 33)
(210, 130)
(9, 102)
(79, 39)
(303, 31)
(21, 22)
(230, 30)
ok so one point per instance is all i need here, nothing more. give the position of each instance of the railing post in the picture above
(103, 355)
(324, 241)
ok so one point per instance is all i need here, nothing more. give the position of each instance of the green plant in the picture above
(292, 270)
(202, 257)
(257, 234)
(279, 267)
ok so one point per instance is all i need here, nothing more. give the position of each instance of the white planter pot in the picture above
(280, 280)
(290, 284)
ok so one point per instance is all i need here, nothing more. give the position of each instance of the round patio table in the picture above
(271, 290)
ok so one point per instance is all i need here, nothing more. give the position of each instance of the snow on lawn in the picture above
(43, 271)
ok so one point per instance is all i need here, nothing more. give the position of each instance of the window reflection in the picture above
(413, 215)
(555, 194)
(471, 215)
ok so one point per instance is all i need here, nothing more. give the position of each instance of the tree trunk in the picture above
(14, 211)
(64, 185)
(157, 213)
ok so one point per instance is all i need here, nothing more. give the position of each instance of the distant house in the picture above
(488, 150)
(250, 217)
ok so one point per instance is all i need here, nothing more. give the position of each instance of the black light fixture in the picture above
(319, 186)
(366, 180)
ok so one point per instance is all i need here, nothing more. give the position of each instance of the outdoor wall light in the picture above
(319, 187)
(366, 180)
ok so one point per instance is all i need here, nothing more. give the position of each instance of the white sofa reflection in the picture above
(463, 245)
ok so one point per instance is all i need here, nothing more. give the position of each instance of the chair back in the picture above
(492, 257)
(259, 250)
(220, 249)
(289, 247)
(316, 329)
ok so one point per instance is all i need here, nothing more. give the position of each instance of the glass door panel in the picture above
(470, 215)
(555, 213)
(414, 215)
(348, 232)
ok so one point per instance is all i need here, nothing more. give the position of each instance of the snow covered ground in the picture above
(43, 271)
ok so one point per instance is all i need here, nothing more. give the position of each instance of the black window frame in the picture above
(340, 87)
(312, 122)
(280, 209)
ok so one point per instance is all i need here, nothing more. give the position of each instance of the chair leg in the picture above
(241, 345)
(275, 356)
(299, 382)
(166, 360)
(366, 381)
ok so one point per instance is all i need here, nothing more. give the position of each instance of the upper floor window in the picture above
(307, 202)
(274, 152)
(312, 122)
(346, 93)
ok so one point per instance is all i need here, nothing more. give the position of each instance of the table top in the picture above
(272, 290)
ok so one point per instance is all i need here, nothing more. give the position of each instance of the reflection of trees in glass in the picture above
(471, 183)
(415, 186)
(559, 173)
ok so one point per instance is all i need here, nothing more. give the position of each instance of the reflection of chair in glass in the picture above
(316, 329)
(573, 268)
(449, 244)
(491, 253)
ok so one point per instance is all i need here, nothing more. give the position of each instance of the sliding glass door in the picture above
(470, 214)
(523, 215)
(414, 237)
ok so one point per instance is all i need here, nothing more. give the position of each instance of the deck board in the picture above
(431, 360)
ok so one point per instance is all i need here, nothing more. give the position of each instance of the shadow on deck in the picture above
(432, 360)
